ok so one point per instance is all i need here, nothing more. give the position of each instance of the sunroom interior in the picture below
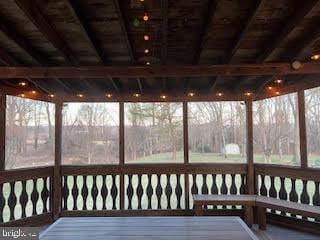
(160, 119)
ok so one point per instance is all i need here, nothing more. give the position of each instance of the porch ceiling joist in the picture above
(160, 71)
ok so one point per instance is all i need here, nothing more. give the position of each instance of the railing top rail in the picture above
(155, 169)
(286, 171)
(25, 174)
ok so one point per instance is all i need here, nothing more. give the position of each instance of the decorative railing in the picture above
(25, 193)
(146, 187)
(289, 183)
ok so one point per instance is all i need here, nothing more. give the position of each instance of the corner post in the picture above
(57, 188)
(302, 130)
(251, 180)
(2, 131)
(250, 168)
(121, 153)
(186, 152)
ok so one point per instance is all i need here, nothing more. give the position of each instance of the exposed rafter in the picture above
(294, 21)
(208, 17)
(32, 11)
(88, 32)
(247, 25)
(122, 17)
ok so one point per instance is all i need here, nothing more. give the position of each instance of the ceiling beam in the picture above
(204, 31)
(160, 71)
(294, 21)
(164, 38)
(245, 29)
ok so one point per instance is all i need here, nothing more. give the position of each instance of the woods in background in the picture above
(154, 132)
(29, 133)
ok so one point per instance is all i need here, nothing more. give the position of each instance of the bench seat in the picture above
(250, 201)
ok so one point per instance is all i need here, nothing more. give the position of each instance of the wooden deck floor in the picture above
(134, 227)
(155, 228)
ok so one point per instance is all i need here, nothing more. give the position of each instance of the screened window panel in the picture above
(29, 133)
(153, 132)
(312, 109)
(276, 130)
(90, 133)
(217, 132)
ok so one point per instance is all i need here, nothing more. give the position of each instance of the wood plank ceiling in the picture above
(181, 32)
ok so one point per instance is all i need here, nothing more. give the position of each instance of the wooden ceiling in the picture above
(182, 32)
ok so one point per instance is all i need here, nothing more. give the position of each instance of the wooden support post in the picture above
(121, 153)
(186, 152)
(251, 184)
(56, 186)
(250, 168)
(198, 208)
(2, 131)
(302, 130)
(262, 219)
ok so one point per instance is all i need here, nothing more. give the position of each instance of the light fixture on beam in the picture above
(145, 17)
(278, 80)
(315, 57)
(22, 84)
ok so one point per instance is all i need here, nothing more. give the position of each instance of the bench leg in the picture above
(198, 210)
(262, 218)
(248, 215)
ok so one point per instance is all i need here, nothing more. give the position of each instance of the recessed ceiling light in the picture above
(277, 93)
(109, 95)
(51, 95)
(219, 94)
(34, 92)
(22, 95)
(269, 87)
(136, 95)
(248, 94)
(80, 95)
(148, 63)
(146, 50)
(163, 96)
(146, 37)
(191, 94)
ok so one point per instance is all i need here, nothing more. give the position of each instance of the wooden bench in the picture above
(247, 201)
(263, 203)
(250, 201)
